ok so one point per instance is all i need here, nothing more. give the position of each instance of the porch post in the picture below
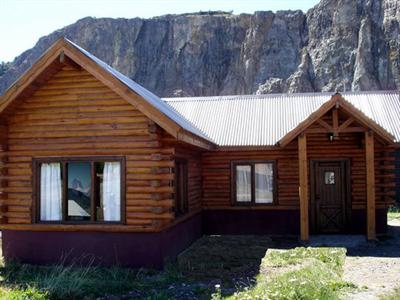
(370, 174)
(303, 187)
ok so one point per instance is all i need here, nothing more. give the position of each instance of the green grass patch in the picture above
(395, 295)
(21, 281)
(300, 273)
(394, 213)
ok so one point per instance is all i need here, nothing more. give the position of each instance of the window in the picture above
(181, 187)
(253, 182)
(329, 177)
(79, 190)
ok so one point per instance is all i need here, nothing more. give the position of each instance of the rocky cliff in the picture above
(337, 45)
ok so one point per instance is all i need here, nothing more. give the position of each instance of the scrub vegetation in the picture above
(299, 273)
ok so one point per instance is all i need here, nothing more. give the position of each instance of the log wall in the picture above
(193, 159)
(74, 114)
(216, 174)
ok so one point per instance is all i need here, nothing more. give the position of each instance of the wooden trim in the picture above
(135, 99)
(290, 136)
(93, 208)
(325, 125)
(65, 192)
(63, 161)
(30, 76)
(346, 124)
(337, 101)
(72, 55)
(183, 183)
(190, 138)
(303, 188)
(335, 121)
(98, 227)
(396, 145)
(370, 171)
(246, 148)
(252, 164)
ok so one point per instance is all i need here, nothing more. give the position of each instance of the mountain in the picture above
(337, 45)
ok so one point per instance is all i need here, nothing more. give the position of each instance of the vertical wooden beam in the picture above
(303, 187)
(335, 122)
(370, 173)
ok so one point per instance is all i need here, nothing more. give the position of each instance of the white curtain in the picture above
(264, 183)
(243, 183)
(112, 191)
(50, 192)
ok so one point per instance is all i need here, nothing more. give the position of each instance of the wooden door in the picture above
(329, 196)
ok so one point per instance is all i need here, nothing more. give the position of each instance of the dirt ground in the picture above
(375, 268)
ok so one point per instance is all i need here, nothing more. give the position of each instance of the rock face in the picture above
(337, 45)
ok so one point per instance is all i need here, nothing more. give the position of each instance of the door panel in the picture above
(329, 196)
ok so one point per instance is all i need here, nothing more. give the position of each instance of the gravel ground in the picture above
(374, 267)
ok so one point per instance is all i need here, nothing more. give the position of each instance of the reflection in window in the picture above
(79, 190)
(329, 177)
(264, 183)
(243, 183)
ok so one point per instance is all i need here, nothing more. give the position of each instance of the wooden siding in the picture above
(216, 170)
(216, 176)
(193, 159)
(74, 114)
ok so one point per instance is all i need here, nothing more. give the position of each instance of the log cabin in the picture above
(94, 165)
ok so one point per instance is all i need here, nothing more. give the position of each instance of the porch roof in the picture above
(263, 120)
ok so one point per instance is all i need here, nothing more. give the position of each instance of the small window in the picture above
(243, 184)
(181, 188)
(264, 182)
(79, 190)
(329, 178)
(253, 182)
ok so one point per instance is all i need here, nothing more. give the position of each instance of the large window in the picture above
(253, 182)
(79, 190)
(181, 187)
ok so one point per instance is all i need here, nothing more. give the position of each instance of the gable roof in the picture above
(264, 120)
(252, 120)
(148, 103)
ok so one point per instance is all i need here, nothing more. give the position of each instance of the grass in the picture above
(21, 281)
(228, 258)
(394, 213)
(395, 295)
(300, 273)
(207, 270)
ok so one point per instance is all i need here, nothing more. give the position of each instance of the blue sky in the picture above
(23, 22)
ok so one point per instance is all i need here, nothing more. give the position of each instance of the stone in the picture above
(337, 45)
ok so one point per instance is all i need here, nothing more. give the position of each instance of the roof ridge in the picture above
(273, 95)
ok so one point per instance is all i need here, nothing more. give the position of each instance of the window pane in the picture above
(98, 192)
(330, 177)
(110, 196)
(243, 183)
(264, 181)
(50, 192)
(79, 190)
(181, 188)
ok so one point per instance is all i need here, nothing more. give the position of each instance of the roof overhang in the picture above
(63, 52)
(337, 101)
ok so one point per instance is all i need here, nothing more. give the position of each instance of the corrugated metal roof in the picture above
(262, 120)
(144, 93)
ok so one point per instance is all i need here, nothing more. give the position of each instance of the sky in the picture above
(23, 22)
